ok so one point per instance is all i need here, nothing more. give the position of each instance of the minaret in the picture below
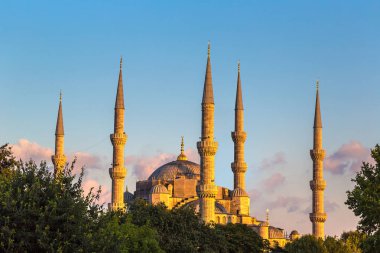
(318, 184)
(207, 148)
(118, 139)
(239, 166)
(59, 158)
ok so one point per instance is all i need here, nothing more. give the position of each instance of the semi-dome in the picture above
(159, 189)
(238, 192)
(175, 169)
(294, 232)
(219, 208)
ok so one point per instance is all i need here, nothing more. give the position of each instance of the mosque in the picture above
(182, 183)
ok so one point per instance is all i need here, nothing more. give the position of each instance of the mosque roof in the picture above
(176, 168)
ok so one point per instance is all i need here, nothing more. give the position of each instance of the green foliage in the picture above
(364, 199)
(353, 240)
(335, 245)
(181, 230)
(306, 244)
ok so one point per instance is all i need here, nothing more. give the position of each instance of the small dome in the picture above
(264, 224)
(294, 232)
(159, 189)
(238, 192)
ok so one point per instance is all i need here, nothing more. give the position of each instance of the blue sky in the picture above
(283, 46)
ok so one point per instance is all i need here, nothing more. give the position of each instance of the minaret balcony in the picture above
(118, 138)
(207, 190)
(239, 137)
(116, 206)
(317, 154)
(239, 167)
(118, 172)
(318, 185)
(318, 217)
(207, 147)
(58, 160)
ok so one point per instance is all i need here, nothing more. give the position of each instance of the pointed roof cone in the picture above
(59, 128)
(317, 115)
(119, 104)
(208, 93)
(239, 96)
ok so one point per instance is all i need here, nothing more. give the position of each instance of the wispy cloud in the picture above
(272, 182)
(26, 150)
(291, 204)
(348, 157)
(278, 159)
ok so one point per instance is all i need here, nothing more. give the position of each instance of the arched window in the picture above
(218, 219)
(224, 220)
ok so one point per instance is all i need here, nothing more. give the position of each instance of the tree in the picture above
(353, 241)
(364, 199)
(306, 244)
(181, 230)
(334, 245)
(40, 213)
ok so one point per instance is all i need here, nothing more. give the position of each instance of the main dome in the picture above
(175, 169)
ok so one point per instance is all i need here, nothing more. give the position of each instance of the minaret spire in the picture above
(207, 148)
(59, 158)
(239, 166)
(182, 156)
(208, 93)
(318, 184)
(118, 140)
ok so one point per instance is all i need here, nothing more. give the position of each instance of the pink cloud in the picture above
(26, 150)
(291, 204)
(274, 181)
(330, 206)
(348, 157)
(192, 155)
(143, 166)
(254, 194)
(105, 195)
(88, 161)
(278, 159)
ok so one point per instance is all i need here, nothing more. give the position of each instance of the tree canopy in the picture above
(364, 200)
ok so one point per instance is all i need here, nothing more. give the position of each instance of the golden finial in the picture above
(267, 211)
(60, 96)
(121, 62)
(182, 156)
(208, 49)
(239, 66)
